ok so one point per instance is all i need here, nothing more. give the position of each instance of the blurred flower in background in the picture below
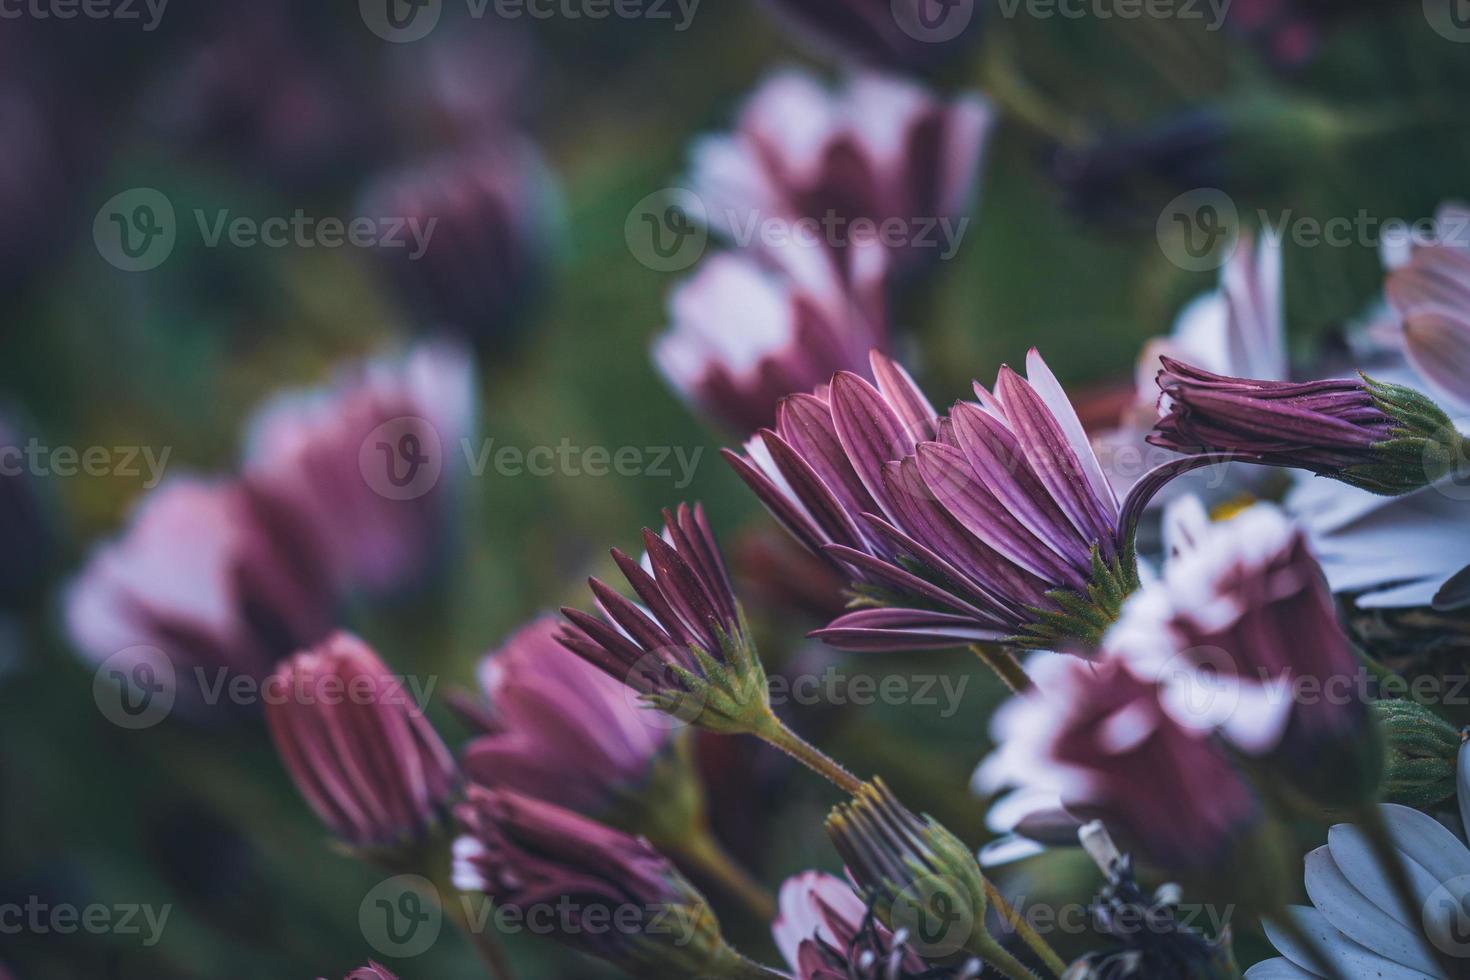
(369, 462)
(487, 216)
(1103, 739)
(811, 171)
(743, 335)
(258, 87)
(344, 489)
(208, 575)
(1240, 620)
(565, 732)
(1430, 293)
(456, 87)
(1124, 177)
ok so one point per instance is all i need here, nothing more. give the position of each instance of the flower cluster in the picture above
(235, 573)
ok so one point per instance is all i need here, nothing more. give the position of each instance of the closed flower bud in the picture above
(919, 878)
(610, 895)
(1421, 751)
(358, 748)
(1384, 438)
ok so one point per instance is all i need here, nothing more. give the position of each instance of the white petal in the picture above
(1350, 959)
(1046, 385)
(1462, 784)
(1280, 968)
(1360, 919)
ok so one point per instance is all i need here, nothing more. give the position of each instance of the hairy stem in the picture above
(705, 854)
(1001, 660)
(777, 734)
(1022, 928)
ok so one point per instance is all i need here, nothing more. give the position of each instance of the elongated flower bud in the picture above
(607, 894)
(357, 746)
(1384, 438)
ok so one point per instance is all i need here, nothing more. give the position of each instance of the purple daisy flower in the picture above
(995, 523)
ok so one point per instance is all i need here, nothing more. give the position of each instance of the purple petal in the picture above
(880, 630)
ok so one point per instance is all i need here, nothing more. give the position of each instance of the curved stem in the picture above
(1001, 660)
(996, 956)
(705, 854)
(777, 734)
(486, 942)
(1022, 928)
(740, 968)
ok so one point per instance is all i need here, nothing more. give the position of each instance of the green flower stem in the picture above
(486, 942)
(702, 852)
(1001, 660)
(774, 732)
(1022, 928)
(1369, 818)
(996, 957)
(737, 967)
